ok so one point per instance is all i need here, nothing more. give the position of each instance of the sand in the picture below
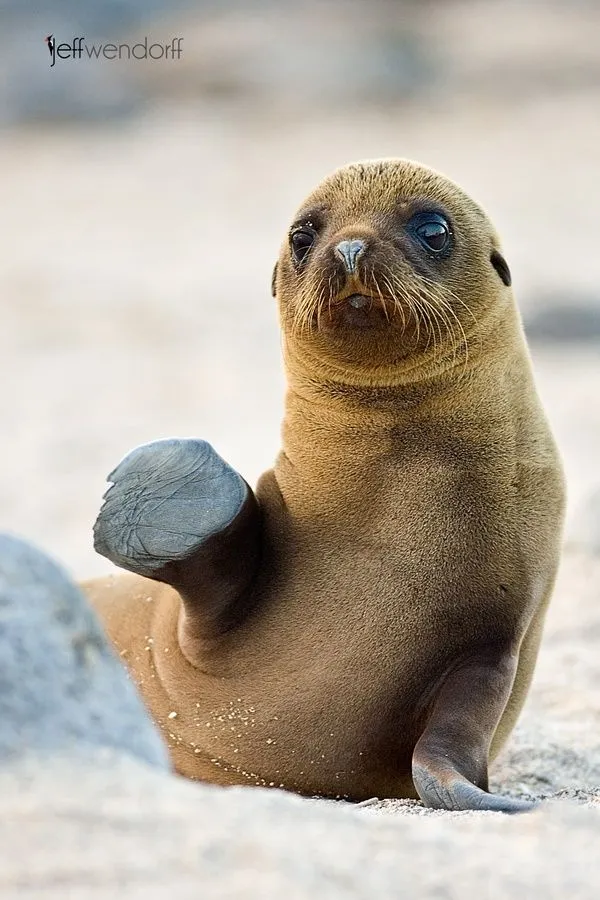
(132, 833)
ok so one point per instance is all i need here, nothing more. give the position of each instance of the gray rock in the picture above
(584, 530)
(559, 319)
(62, 689)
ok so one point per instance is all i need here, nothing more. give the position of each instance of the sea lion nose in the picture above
(349, 251)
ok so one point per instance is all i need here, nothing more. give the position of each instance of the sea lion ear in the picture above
(273, 280)
(501, 267)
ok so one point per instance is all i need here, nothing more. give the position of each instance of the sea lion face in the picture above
(388, 266)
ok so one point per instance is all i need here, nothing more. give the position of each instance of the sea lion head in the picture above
(388, 268)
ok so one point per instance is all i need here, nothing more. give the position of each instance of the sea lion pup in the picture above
(367, 622)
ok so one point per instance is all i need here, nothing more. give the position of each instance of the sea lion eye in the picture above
(433, 232)
(301, 240)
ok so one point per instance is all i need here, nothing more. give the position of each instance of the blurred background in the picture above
(142, 205)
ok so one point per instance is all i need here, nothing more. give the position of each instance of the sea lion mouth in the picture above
(358, 301)
(361, 299)
(359, 311)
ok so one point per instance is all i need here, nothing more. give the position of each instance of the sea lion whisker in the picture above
(431, 317)
(459, 325)
(398, 307)
(449, 292)
(319, 305)
(449, 327)
(305, 311)
(437, 297)
(378, 290)
(409, 301)
(395, 288)
(429, 301)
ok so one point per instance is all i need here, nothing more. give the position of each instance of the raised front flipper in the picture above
(177, 513)
(450, 760)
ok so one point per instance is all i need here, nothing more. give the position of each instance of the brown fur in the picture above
(412, 519)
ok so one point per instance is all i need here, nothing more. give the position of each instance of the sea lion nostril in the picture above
(349, 252)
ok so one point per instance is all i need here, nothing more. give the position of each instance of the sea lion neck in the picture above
(329, 430)
(337, 407)
(348, 423)
(327, 400)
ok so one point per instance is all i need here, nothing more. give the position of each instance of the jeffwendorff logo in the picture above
(49, 39)
(78, 49)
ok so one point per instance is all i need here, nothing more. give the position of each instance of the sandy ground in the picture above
(133, 833)
(135, 281)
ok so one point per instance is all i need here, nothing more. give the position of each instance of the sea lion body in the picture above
(409, 532)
